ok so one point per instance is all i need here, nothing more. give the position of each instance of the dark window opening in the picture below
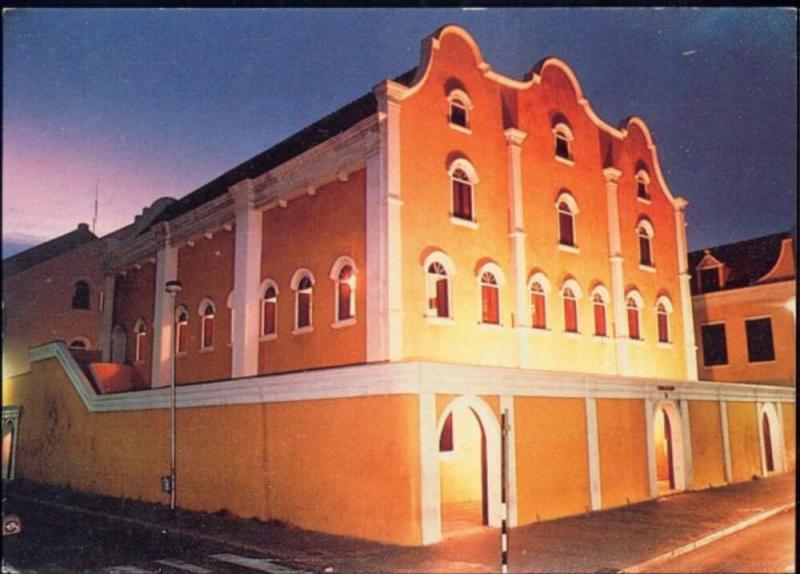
(81, 295)
(759, 340)
(446, 438)
(458, 114)
(709, 280)
(715, 351)
(562, 147)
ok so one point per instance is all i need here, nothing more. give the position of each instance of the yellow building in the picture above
(365, 302)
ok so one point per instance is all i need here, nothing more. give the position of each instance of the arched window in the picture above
(302, 284)
(562, 138)
(79, 343)
(460, 105)
(139, 341)
(81, 295)
(207, 313)
(567, 208)
(633, 307)
(462, 195)
(642, 183)
(181, 330)
(570, 293)
(645, 233)
(539, 287)
(343, 273)
(490, 299)
(663, 311)
(599, 308)
(440, 302)
(269, 308)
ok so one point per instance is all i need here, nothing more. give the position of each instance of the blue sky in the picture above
(147, 103)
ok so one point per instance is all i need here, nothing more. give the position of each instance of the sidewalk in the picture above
(601, 541)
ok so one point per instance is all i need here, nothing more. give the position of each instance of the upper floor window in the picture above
(760, 345)
(491, 279)
(645, 233)
(567, 208)
(570, 310)
(269, 308)
(633, 306)
(80, 295)
(139, 340)
(438, 290)
(344, 273)
(181, 330)
(599, 310)
(460, 105)
(539, 287)
(715, 349)
(303, 285)
(207, 313)
(709, 279)
(562, 137)
(642, 185)
(662, 315)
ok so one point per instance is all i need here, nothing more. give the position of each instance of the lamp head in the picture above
(173, 287)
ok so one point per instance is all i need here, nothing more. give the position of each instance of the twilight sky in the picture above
(147, 103)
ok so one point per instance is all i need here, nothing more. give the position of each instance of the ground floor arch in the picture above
(770, 439)
(669, 447)
(468, 469)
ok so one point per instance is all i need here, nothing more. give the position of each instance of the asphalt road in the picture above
(55, 540)
(764, 547)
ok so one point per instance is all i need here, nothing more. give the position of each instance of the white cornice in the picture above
(403, 378)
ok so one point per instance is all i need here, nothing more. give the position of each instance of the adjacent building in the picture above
(364, 303)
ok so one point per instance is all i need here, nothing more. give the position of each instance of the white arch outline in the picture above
(494, 269)
(266, 284)
(83, 339)
(298, 276)
(603, 291)
(680, 461)
(465, 165)
(202, 306)
(633, 293)
(491, 430)
(664, 300)
(439, 257)
(459, 95)
(647, 225)
(571, 284)
(569, 199)
(541, 278)
(563, 129)
(340, 262)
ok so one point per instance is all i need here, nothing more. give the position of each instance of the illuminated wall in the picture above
(743, 432)
(623, 451)
(708, 459)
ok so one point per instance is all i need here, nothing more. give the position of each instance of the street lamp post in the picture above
(173, 288)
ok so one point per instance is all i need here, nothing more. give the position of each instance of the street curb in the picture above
(700, 542)
(156, 526)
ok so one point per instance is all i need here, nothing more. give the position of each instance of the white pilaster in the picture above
(507, 405)
(726, 441)
(593, 447)
(516, 233)
(388, 95)
(649, 415)
(687, 317)
(246, 280)
(166, 270)
(107, 318)
(612, 176)
(686, 433)
(429, 470)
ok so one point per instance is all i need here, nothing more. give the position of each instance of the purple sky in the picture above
(148, 103)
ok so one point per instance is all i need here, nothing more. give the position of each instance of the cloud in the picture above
(689, 52)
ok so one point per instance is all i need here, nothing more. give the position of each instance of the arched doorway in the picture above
(668, 444)
(469, 466)
(771, 439)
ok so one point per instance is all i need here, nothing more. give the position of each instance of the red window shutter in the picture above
(269, 318)
(633, 323)
(466, 200)
(442, 303)
(303, 310)
(208, 332)
(181, 338)
(768, 444)
(344, 301)
(570, 315)
(490, 306)
(663, 329)
(539, 318)
(644, 249)
(565, 226)
(457, 207)
(600, 320)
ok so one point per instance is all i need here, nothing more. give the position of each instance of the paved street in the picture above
(765, 547)
(55, 540)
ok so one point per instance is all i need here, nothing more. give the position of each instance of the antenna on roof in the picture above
(94, 219)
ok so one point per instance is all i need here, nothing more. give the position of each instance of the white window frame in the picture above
(540, 278)
(644, 178)
(634, 295)
(430, 286)
(472, 174)
(294, 284)
(200, 311)
(495, 271)
(567, 198)
(11, 415)
(338, 265)
(181, 326)
(601, 291)
(664, 301)
(563, 131)
(265, 285)
(85, 340)
(645, 226)
(577, 294)
(139, 333)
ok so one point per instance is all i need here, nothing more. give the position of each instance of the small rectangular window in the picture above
(715, 350)
(709, 280)
(458, 116)
(641, 190)
(562, 147)
(759, 340)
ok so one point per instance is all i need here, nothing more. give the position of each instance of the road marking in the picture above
(127, 570)
(9, 569)
(260, 564)
(181, 565)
